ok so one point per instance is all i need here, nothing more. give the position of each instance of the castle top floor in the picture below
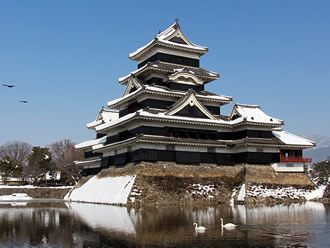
(170, 46)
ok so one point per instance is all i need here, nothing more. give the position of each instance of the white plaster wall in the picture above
(283, 167)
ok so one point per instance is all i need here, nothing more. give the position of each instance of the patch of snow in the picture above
(91, 142)
(109, 115)
(94, 123)
(195, 47)
(198, 190)
(158, 89)
(122, 79)
(167, 32)
(109, 190)
(88, 161)
(242, 193)
(16, 197)
(140, 49)
(135, 194)
(162, 38)
(291, 139)
(183, 118)
(253, 113)
(56, 175)
(119, 120)
(215, 97)
(33, 187)
(260, 191)
(112, 103)
(178, 70)
(213, 74)
(317, 193)
(105, 115)
(5, 160)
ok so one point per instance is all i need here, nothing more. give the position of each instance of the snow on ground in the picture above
(198, 190)
(32, 187)
(134, 194)
(16, 197)
(109, 190)
(280, 193)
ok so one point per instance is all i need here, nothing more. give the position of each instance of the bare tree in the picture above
(64, 155)
(17, 151)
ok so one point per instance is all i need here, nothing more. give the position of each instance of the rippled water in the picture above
(89, 225)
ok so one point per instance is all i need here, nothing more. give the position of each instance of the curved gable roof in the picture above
(167, 38)
(253, 114)
(189, 100)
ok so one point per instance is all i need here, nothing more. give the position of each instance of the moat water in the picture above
(89, 225)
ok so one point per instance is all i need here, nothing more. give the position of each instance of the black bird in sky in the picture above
(9, 85)
(23, 101)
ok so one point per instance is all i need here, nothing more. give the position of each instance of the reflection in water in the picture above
(105, 217)
(21, 226)
(291, 224)
(90, 225)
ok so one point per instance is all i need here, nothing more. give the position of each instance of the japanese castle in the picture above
(165, 114)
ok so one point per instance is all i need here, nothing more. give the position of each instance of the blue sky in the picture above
(66, 57)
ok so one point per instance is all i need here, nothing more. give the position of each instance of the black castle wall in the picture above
(160, 104)
(184, 157)
(173, 59)
(188, 133)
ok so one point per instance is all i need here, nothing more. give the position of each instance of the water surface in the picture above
(91, 225)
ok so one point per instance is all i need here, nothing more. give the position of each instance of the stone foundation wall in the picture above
(265, 185)
(170, 183)
(267, 176)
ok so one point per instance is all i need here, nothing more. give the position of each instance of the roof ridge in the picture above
(247, 105)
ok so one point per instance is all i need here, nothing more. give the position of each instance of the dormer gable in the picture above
(190, 106)
(132, 85)
(104, 116)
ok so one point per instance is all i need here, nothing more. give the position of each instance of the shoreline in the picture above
(170, 184)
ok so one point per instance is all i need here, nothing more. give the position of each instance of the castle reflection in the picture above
(91, 225)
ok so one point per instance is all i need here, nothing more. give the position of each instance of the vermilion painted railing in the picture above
(300, 160)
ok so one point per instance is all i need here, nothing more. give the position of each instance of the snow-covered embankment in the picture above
(106, 190)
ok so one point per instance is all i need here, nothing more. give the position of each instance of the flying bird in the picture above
(9, 85)
(23, 101)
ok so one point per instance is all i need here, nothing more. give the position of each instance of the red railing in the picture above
(296, 160)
